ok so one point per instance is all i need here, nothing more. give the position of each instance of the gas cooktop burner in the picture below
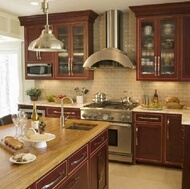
(112, 105)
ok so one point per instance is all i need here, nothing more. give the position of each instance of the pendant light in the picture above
(47, 42)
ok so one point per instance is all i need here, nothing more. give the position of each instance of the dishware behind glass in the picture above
(148, 30)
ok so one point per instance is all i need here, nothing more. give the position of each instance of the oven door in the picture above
(120, 142)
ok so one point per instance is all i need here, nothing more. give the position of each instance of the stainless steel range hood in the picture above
(111, 56)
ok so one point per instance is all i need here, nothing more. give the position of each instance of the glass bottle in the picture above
(155, 97)
(35, 118)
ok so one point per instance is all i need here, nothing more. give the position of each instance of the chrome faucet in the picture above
(62, 117)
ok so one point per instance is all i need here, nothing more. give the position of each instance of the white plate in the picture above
(46, 137)
(33, 157)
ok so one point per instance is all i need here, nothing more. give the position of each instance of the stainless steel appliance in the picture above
(39, 70)
(119, 114)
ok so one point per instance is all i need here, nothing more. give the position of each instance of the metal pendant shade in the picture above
(47, 42)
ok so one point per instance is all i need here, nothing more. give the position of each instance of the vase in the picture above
(33, 98)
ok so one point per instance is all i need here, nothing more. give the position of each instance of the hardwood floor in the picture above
(124, 176)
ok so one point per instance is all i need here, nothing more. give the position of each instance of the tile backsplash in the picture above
(115, 81)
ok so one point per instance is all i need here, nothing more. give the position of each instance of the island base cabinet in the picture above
(98, 169)
(79, 180)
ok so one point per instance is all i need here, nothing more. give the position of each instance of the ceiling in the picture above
(24, 8)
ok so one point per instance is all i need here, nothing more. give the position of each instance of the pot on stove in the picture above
(99, 97)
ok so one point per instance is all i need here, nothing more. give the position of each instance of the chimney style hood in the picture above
(111, 56)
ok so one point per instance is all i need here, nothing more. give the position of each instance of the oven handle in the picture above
(120, 124)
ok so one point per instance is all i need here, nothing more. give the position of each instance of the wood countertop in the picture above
(67, 141)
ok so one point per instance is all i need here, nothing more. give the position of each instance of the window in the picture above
(10, 77)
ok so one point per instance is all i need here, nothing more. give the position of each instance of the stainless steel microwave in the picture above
(39, 70)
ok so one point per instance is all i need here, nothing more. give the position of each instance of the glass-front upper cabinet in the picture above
(70, 63)
(157, 52)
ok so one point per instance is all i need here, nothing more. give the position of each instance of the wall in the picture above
(114, 81)
(10, 26)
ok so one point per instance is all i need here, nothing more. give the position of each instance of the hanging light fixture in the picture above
(47, 42)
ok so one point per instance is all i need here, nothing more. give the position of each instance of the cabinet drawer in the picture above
(56, 112)
(148, 117)
(53, 177)
(77, 158)
(78, 180)
(98, 141)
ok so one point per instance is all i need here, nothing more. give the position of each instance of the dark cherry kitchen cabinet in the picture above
(99, 162)
(51, 179)
(162, 53)
(186, 158)
(78, 180)
(75, 29)
(31, 33)
(56, 112)
(185, 40)
(148, 137)
(87, 168)
(78, 40)
(173, 136)
(158, 50)
(158, 138)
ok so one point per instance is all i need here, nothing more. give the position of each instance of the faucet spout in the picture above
(62, 117)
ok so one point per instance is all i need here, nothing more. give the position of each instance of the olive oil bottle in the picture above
(35, 118)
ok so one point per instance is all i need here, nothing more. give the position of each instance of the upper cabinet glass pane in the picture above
(167, 46)
(147, 48)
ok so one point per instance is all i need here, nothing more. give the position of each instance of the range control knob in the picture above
(111, 117)
(84, 115)
(122, 117)
(105, 116)
(128, 116)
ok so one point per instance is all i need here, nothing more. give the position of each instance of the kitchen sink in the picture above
(79, 126)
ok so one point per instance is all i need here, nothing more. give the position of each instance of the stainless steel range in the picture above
(119, 114)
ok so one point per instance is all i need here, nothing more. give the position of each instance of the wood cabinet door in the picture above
(70, 63)
(157, 50)
(173, 140)
(186, 158)
(149, 142)
(79, 180)
(32, 33)
(185, 66)
(99, 169)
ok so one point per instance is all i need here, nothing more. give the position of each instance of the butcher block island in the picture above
(76, 158)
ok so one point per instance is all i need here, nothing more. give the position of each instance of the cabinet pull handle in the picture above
(137, 136)
(79, 160)
(155, 60)
(73, 183)
(149, 118)
(67, 113)
(99, 142)
(54, 181)
(37, 54)
(158, 65)
(71, 66)
(168, 131)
